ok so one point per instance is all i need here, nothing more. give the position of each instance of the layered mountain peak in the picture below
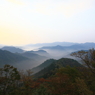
(13, 49)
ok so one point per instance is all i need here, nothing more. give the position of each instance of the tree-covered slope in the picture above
(43, 65)
(50, 70)
(7, 57)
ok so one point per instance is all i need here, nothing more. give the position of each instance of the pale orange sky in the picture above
(41, 21)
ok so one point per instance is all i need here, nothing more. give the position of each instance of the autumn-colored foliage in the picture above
(64, 81)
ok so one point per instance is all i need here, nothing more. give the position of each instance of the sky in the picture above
(44, 21)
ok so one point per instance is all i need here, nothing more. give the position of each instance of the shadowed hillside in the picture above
(7, 57)
(43, 65)
(13, 49)
(50, 70)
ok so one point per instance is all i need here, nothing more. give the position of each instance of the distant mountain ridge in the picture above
(68, 45)
(39, 45)
(40, 52)
(31, 55)
(53, 44)
(22, 61)
(12, 49)
(7, 57)
(73, 47)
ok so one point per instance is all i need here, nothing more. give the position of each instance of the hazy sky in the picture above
(40, 21)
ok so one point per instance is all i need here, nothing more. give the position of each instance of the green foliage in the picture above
(82, 87)
(61, 79)
(9, 77)
(89, 71)
(51, 70)
(72, 72)
(43, 65)
(42, 90)
(88, 58)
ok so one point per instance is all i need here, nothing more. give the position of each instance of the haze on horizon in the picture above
(42, 21)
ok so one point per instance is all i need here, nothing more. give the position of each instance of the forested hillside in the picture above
(43, 65)
(51, 69)
(22, 61)
(7, 57)
(63, 77)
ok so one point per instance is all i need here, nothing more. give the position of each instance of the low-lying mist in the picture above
(53, 54)
(27, 64)
(50, 54)
(57, 54)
